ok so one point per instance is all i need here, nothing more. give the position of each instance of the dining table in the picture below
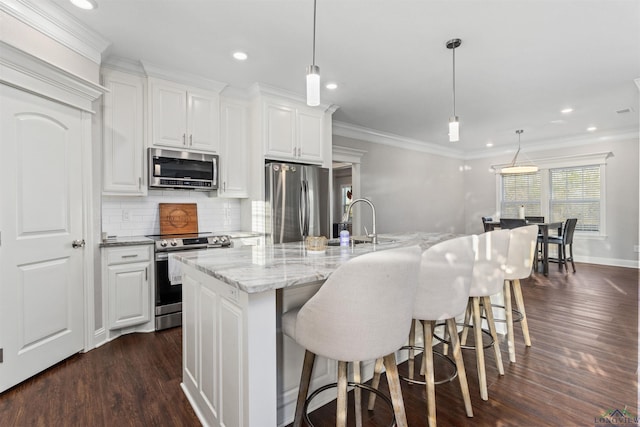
(543, 238)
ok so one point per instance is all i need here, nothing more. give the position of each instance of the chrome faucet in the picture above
(373, 235)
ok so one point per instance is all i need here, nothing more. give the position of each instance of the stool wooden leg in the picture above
(462, 374)
(357, 393)
(494, 334)
(375, 382)
(517, 292)
(477, 332)
(467, 317)
(427, 356)
(341, 409)
(303, 390)
(509, 317)
(412, 343)
(394, 388)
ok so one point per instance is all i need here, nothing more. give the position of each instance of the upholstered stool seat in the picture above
(362, 312)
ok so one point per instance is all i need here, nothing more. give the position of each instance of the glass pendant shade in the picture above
(454, 129)
(313, 85)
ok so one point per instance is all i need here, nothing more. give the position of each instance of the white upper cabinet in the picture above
(292, 132)
(234, 170)
(183, 117)
(123, 134)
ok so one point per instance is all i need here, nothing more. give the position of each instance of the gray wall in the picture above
(416, 191)
(412, 190)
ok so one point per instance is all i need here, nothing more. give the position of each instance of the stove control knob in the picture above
(163, 243)
(214, 240)
(223, 239)
(174, 242)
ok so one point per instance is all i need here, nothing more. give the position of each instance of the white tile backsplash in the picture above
(139, 216)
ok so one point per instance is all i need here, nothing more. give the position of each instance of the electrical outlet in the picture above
(126, 215)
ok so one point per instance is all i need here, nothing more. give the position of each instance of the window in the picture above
(521, 190)
(564, 187)
(575, 193)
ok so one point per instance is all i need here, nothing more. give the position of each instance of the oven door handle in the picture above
(162, 256)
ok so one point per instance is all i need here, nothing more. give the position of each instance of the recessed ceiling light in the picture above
(592, 129)
(85, 4)
(489, 144)
(566, 110)
(240, 56)
(331, 86)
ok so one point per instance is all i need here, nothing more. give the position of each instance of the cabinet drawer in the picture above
(128, 254)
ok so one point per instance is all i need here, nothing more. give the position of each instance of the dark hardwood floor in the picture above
(583, 363)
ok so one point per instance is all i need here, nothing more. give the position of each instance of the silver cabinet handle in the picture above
(184, 139)
(139, 182)
(77, 244)
(146, 273)
(130, 256)
(190, 140)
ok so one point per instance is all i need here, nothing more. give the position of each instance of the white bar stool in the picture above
(522, 250)
(443, 291)
(361, 312)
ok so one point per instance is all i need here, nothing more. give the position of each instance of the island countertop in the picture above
(255, 269)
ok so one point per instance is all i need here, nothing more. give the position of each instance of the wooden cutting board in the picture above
(178, 218)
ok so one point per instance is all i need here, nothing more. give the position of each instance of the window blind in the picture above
(518, 190)
(576, 193)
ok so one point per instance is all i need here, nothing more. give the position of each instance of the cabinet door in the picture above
(123, 144)
(203, 118)
(169, 115)
(309, 127)
(280, 135)
(129, 294)
(233, 151)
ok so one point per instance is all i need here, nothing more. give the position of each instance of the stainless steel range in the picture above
(168, 292)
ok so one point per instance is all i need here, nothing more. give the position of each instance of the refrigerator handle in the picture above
(302, 210)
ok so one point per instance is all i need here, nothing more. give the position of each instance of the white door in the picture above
(41, 274)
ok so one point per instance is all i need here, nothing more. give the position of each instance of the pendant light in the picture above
(313, 71)
(454, 123)
(513, 167)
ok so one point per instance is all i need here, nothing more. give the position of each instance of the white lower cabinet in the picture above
(127, 274)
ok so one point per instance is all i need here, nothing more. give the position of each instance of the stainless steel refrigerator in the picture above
(296, 202)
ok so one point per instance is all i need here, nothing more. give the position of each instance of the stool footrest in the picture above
(517, 318)
(465, 346)
(436, 353)
(370, 389)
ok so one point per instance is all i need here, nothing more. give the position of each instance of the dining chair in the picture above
(509, 223)
(363, 311)
(522, 250)
(534, 219)
(443, 290)
(564, 240)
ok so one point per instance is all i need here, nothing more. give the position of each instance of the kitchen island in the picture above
(238, 368)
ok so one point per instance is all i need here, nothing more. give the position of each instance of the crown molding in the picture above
(125, 65)
(178, 76)
(57, 24)
(27, 72)
(552, 144)
(370, 135)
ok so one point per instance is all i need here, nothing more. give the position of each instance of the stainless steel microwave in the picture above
(170, 169)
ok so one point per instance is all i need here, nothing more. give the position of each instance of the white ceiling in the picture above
(520, 63)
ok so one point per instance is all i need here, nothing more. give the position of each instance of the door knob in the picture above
(78, 244)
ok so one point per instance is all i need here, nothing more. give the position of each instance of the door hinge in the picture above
(1, 355)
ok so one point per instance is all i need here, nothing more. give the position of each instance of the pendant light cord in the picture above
(454, 80)
(314, 33)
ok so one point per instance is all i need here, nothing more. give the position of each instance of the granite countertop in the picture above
(126, 241)
(255, 269)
